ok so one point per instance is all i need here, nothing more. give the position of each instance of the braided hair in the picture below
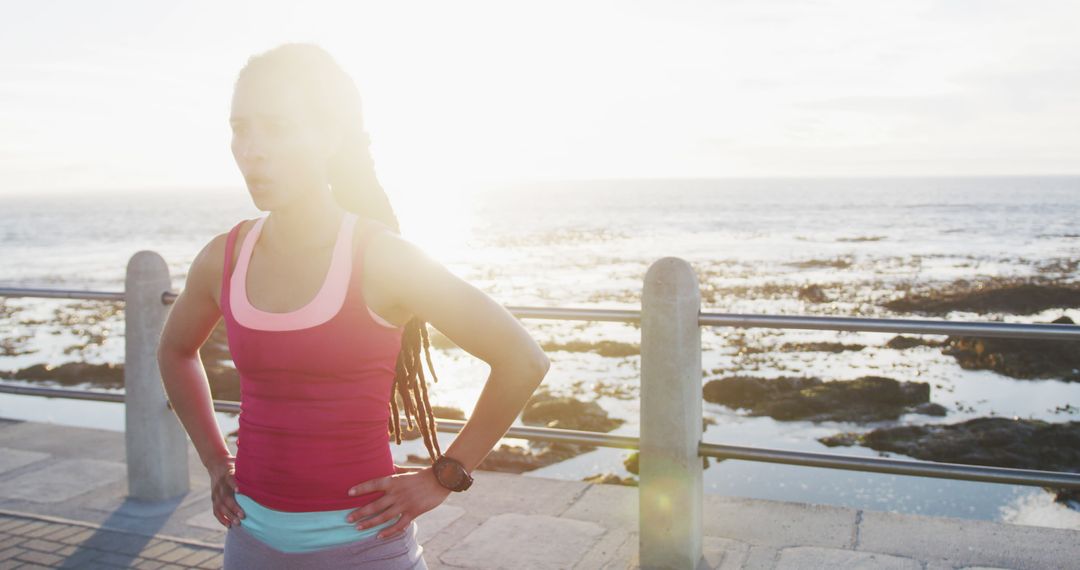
(334, 100)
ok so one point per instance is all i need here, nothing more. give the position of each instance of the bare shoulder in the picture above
(387, 257)
(417, 283)
(391, 258)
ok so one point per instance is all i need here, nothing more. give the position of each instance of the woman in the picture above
(326, 306)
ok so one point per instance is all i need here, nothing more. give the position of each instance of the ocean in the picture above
(753, 243)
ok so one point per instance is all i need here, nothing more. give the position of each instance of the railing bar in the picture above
(75, 394)
(740, 320)
(915, 326)
(62, 294)
(719, 451)
(984, 473)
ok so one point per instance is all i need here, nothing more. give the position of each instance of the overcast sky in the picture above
(136, 93)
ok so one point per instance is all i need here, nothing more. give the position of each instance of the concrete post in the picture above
(671, 489)
(156, 443)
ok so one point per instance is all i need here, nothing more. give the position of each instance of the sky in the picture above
(136, 94)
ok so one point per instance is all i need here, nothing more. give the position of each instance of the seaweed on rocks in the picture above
(997, 295)
(865, 399)
(1019, 357)
(549, 410)
(992, 441)
(901, 342)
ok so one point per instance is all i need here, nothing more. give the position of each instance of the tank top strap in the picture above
(230, 246)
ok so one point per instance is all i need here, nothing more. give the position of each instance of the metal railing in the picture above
(670, 320)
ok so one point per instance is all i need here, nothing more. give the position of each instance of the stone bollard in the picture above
(156, 443)
(671, 488)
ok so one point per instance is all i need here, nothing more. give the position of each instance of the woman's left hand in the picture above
(410, 492)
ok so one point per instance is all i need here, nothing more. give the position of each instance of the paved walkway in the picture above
(63, 501)
(36, 541)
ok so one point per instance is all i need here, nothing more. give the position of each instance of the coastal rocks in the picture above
(221, 374)
(999, 442)
(834, 263)
(860, 238)
(813, 294)
(448, 412)
(515, 459)
(107, 375)
(445, 412)
(820, 347)
(713, 294)
(602, 347)
(868, 398)
(224, 382)
(600, 388)
(609, 348)
(991, 296)
(1018, 357)
(549, 410)
(900, 342)
(89, 321)
(16, 345)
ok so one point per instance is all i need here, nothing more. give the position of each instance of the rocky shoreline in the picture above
(998, 442)
(997, 295)
(1018, 357)
(545, 409)
(872, 398)
(864, 399)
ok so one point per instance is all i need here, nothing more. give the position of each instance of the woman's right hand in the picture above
(223, 491)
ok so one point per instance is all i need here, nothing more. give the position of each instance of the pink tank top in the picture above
(315, 384)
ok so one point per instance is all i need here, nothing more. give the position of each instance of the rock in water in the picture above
(993, 296)
(998, 442)
(865, 399)
(1019, 357)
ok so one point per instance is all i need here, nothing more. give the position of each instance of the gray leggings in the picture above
(243, 551)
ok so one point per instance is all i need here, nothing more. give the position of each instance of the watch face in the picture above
(455, 478)
(450, 474)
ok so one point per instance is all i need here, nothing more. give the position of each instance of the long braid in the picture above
(423, 387)
(394, 419)
(409, 369)
(334, 100)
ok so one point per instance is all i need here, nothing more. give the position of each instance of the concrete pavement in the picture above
(63, 500)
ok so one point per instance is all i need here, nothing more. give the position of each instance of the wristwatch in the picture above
(450, 473)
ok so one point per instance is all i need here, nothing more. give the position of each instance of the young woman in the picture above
(326, 306)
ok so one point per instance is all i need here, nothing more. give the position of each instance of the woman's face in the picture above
(281, 153)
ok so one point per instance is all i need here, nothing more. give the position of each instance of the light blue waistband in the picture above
(302, 531)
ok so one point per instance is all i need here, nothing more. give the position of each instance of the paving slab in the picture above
(800, 557)
(779, 523)
(28, 541)
(64, 489)
(511, 541)
(12, 458)
(964, 542)
(63, 480)
(724, 553)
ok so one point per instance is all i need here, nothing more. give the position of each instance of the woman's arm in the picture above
(190, 322)
(475, 322)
